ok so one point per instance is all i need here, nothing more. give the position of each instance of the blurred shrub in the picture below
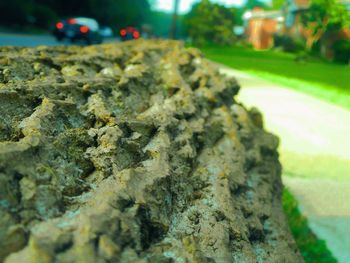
(243, 43)
(14, 12)
(316, 48)
(342, 51)
(210, 23)
(44, 16)
(311, 248)
(288, 43)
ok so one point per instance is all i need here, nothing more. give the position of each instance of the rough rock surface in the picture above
(135, 152)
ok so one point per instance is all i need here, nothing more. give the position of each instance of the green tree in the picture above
(120, 13)
(324, 16)
(278, 4)
(15, 12)
(210, 23)
(250, 4)
(43, 13)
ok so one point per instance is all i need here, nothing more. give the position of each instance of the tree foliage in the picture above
(278, 4)
(210, 23)
(161, 23)
(250, 4)
(42, 13)
(324, 16)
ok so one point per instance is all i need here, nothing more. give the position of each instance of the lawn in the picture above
(314, 76)
(284, 64)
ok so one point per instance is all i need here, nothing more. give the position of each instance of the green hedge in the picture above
(342, 51)
(311, 248)
(288, 43)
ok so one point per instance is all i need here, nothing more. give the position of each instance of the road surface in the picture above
(315, 154)
(7, 39)
(26, 40)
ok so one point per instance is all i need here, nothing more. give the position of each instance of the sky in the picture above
(185, 5)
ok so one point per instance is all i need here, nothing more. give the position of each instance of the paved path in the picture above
(7, 39)
(315, 154)
(25, 40)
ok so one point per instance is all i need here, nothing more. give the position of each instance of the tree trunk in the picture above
(173, 24)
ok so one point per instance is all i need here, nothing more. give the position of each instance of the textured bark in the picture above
(135, 152)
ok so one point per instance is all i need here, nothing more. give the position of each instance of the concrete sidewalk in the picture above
(315, 154)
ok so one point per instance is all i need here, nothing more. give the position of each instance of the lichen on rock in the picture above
(133, 152)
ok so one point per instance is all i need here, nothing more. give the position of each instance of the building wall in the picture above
(260, 32)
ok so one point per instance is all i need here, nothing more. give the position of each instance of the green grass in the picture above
(316, 77)
(283, 64)
(311, 248)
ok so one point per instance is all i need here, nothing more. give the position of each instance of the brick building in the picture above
(260, 26)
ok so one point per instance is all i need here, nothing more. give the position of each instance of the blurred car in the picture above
(106, 31)
(78, 28)
(129, 33)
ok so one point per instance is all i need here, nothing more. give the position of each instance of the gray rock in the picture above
(136, 152)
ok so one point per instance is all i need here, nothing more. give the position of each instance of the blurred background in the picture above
(292, 58)
(320, 26)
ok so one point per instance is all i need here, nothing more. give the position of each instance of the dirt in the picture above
(135, 152)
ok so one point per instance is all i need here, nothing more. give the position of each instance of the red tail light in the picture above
(72, 21)
(136, 35)
(123, 32)
(59, 25)
(84, 29)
